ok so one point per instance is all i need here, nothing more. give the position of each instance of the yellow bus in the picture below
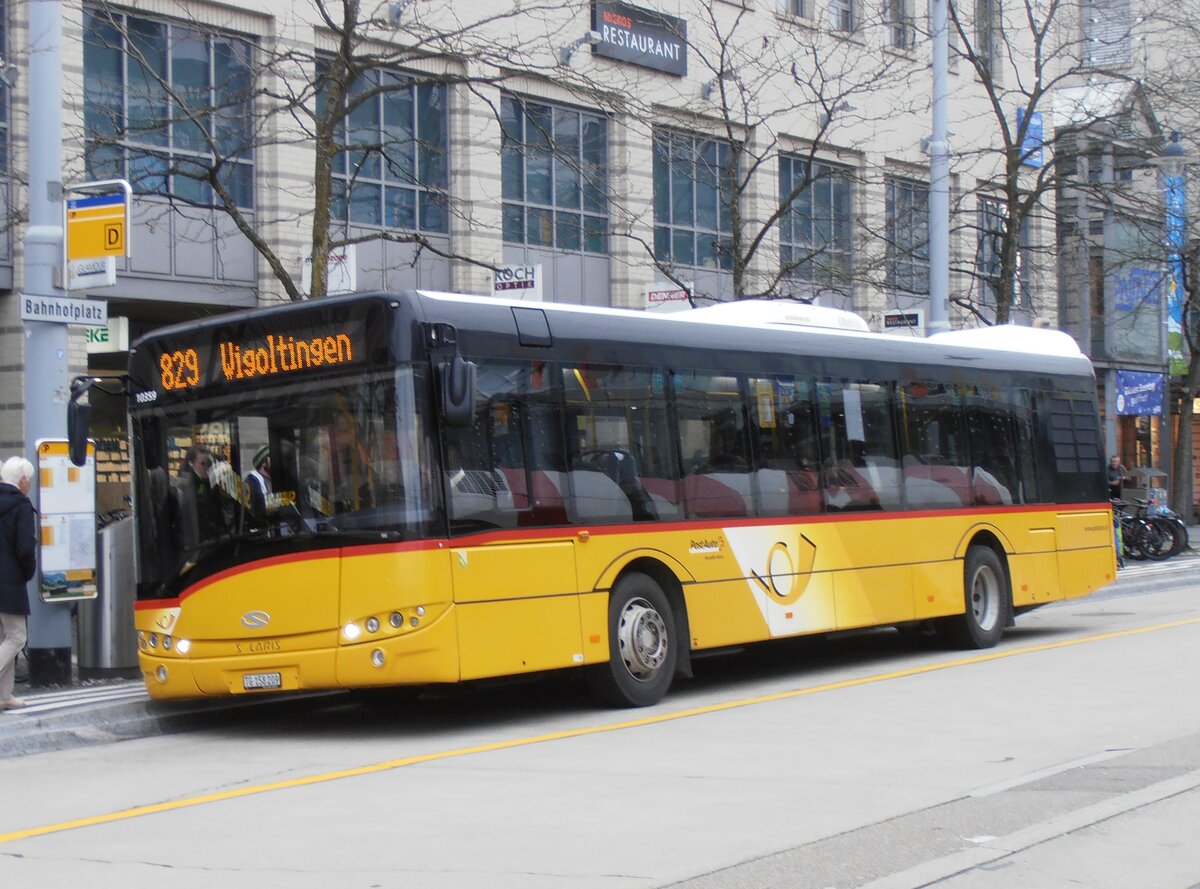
(420, 488)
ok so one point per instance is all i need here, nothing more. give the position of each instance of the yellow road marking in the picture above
(390, 764)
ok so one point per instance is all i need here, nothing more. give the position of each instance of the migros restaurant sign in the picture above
(640, 37)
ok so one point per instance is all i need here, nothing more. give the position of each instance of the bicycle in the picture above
(1169, 525)
(1142, 537)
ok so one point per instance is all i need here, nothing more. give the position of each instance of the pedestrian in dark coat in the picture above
(18, 563)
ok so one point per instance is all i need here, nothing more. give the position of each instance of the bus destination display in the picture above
(231, 359)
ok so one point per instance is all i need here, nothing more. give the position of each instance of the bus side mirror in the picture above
(458, 391)
(78, 417)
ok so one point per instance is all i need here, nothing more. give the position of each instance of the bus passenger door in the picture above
(517, 606)
(512, 562)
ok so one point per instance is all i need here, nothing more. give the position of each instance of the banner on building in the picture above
(1139, 394)
(1176, 224)
(1134, 293)
(1032, 145)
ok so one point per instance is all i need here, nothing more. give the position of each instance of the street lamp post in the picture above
(939, 174)
(47, 373)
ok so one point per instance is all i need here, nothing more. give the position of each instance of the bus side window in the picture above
(1027, 446)
(783, 431)
(933, 439)
(993, 447)
(861, 469)
(617, 417)
(713, 441)
(478, 493)
(1074, 434)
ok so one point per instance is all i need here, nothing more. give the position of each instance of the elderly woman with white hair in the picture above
(18, 563)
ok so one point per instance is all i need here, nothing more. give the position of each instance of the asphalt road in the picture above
(1069, 755)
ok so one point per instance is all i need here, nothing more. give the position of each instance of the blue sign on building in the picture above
(1176, 190)
(1136, 288)
(1139, 394)
(1032, 145)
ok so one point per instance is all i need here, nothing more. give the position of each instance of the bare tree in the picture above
(1151, 251)
(1165, 252)
(761, 78)
(1170, 74)
(1023, 58)
(272, 96)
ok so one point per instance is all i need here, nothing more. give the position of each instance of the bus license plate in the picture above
(262, 680)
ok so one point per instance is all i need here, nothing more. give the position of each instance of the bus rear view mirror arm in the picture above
(458, 391)
(79, 413)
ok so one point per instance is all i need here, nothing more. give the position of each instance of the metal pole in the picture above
(46, 370)
(939, 176)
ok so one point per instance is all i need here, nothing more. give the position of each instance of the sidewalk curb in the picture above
(103, 723)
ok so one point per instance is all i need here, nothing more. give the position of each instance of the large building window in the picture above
(554, 164)
(693, 200)
(165, 104)
(992, 219)
(392, 171)
(815, 232)
(797, 8)
(843, 15)
(1107, 38)
(907, 235)
(900, 25)
(987, 27)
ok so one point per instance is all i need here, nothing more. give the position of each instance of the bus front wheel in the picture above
(985, 589)
(642, 645)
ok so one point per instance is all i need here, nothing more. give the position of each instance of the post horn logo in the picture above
(787, 572)
(255, 619)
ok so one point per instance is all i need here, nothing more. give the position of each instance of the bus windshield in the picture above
(227, 479)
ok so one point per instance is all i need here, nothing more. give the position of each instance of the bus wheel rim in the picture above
(985, 598)
(642, 637)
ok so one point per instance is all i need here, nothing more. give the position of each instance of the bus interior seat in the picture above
(712, 496)
(546, 503)
(622, 467)
(598, 498)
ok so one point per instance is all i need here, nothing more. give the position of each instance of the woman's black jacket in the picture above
(18, 550)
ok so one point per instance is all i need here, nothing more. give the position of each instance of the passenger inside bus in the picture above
(258, 487)
(203, 513)
(164, 507)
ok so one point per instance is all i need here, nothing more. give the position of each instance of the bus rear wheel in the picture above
(985, 589)
(642, 645)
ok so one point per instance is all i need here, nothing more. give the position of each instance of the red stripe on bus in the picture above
(332, 552)
(560, 532)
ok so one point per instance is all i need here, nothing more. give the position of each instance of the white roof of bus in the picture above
(782, 314)
(1012, 338)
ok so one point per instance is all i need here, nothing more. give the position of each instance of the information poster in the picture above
(67, 503)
